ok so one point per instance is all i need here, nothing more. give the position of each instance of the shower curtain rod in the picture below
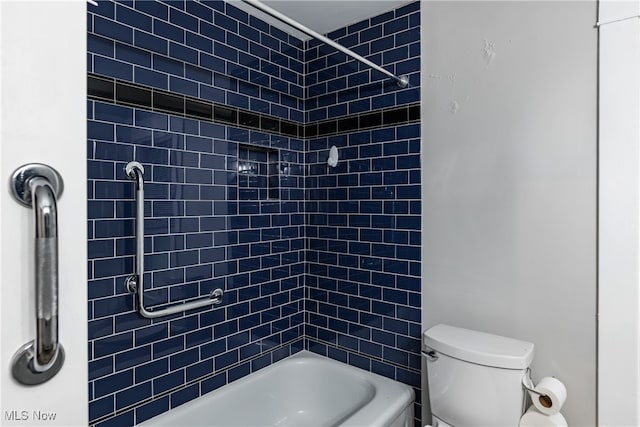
(403, 81)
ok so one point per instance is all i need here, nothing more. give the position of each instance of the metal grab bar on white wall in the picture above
(135, 282)
(38, 186)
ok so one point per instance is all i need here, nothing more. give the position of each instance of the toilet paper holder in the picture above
(544, 399)
(527, 379)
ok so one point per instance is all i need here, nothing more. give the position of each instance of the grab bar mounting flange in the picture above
(22, 365)
(22, 175)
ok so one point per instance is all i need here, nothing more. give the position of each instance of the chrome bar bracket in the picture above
(39, 186)
(403, 81)
(135, 282)
(131, 283)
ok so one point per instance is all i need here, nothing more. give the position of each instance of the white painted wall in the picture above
(509, 180)
(43, 119)
(619, 214)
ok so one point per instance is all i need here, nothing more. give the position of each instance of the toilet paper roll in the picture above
(533, 418)
(554, 394)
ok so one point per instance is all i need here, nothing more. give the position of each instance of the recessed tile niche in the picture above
(258, 173)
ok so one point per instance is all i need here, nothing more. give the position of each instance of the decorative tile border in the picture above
(120, 92)
(124, 93)
(395, 116)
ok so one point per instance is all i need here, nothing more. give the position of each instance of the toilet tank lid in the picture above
(479, 347)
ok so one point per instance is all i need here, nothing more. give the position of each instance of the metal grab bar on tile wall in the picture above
(135, 282)
(37, 186)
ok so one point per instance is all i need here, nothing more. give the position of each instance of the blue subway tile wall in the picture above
(338, 85)
(363, 228)
(201, 233)
(203, 230)
(309, 257)
(211, 50)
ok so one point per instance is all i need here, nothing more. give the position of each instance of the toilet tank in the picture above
(475, 378)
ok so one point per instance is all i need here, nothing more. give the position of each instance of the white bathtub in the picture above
(302, 390)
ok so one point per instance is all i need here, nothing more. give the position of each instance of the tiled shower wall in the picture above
(210, 221)
(363, 216)
(216, 105)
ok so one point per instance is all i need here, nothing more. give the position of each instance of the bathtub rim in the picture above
(388, 406)
(402, 395)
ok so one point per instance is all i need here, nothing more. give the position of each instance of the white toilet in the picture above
(474, 378)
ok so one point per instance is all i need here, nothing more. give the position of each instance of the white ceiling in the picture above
(322, 16)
